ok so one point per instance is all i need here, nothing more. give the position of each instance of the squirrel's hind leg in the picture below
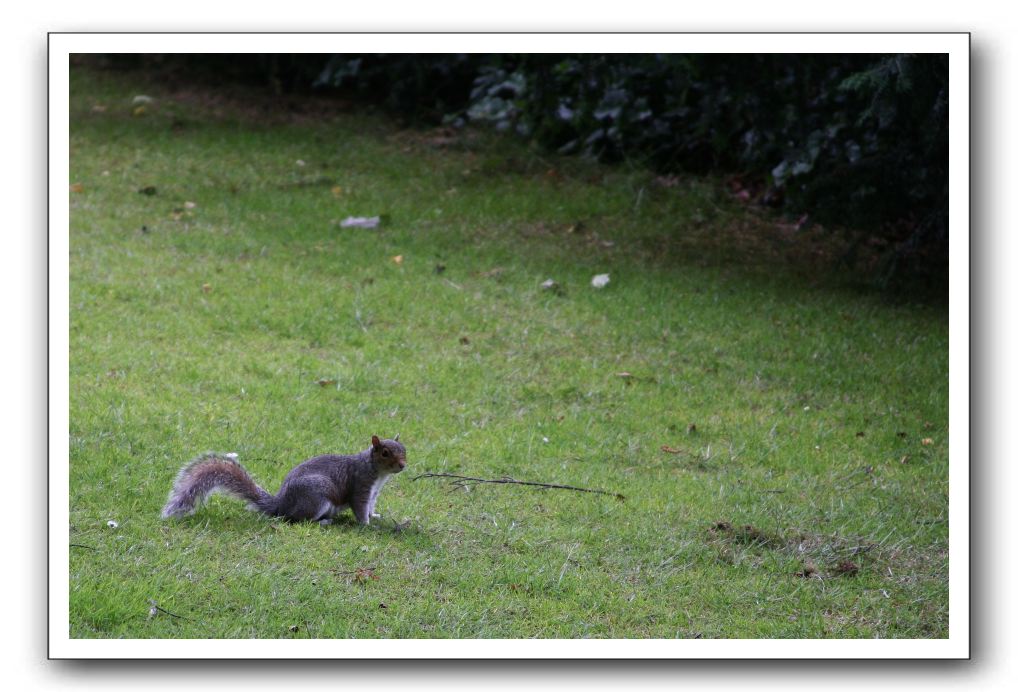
(307, 499)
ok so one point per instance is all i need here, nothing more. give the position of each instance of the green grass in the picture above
(798, 405)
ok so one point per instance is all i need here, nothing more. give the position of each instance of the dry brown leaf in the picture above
(672, 450)
(325, 382)
(77, 187)
(847, 568)
(398, 259)
(363, 574)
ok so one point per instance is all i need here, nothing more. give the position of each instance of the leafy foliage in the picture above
(856, 140)
(850, 140)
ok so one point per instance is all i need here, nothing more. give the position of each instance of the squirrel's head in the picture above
(388, 455)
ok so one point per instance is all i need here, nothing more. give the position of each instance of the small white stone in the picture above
(599, 281)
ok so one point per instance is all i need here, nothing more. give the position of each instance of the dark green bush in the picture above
(857, 141)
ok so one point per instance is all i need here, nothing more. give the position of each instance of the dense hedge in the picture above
(857, 141)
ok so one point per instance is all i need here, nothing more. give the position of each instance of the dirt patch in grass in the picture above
(820, 554)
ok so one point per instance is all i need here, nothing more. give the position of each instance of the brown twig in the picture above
(463, 481)
(355, 571)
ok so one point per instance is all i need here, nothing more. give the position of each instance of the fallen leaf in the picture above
(77, 187)
(325, 382)
(672, 450)
(847, 568)
(337, 191)
(363, 574)
(599, 280)
(206, 288)
(398, 259)
(138, 112)
(927, 441)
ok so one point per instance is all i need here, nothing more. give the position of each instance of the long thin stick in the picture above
(163, 610)
(463, 481)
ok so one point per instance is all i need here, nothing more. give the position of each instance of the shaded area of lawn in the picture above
(217, 304)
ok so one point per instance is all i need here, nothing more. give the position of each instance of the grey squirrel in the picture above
(315, 490)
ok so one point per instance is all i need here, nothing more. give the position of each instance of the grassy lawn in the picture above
(216, 304)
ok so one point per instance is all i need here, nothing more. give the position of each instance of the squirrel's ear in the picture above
(375, 442)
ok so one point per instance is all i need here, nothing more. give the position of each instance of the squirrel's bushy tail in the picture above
(208, 474)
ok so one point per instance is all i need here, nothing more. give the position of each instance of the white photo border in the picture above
(956, 45)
